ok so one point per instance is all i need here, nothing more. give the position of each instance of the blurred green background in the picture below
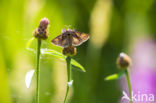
(113, 25)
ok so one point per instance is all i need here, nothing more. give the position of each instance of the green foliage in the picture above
(54, 53)
(128, 20)
(63, 57)
(114, 76)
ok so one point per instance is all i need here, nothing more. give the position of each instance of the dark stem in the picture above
(68, 61)
(38, 70)
(129, 85)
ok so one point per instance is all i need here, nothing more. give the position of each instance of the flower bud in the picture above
(69, 51)
(123, 61)
(41, 31)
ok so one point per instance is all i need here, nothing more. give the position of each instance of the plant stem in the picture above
(129, 85)
(68, 61)
(38, 69)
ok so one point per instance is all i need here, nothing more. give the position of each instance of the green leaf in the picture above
(54, 53)
(61, 56)
(114, 76)
(29, 43)
(75, 63)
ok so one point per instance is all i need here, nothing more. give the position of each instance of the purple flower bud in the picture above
(41, 31)
(69, 51)
(44, 23)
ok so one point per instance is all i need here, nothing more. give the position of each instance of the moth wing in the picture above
(79, 38)
(60, 41)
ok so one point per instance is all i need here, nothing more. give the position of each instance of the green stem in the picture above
(68, 61)
(38, 69)
(129, 85)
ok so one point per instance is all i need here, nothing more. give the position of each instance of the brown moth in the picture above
(70, 38)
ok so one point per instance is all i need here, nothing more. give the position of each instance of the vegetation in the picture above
(113, 26)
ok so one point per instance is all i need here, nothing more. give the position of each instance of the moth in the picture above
(70, 38)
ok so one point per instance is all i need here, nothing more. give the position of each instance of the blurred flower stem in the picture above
(38, 69)
(5, 95)
(129, 84)
(68, 61)
(99, 31)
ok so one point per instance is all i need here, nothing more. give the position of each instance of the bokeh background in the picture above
(114, 26)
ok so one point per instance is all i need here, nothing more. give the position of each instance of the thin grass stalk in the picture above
(68, 61)
(129, 85)
(38, 69)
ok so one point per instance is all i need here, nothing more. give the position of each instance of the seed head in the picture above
(69, 51)
(41, 31)
(123, 61)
